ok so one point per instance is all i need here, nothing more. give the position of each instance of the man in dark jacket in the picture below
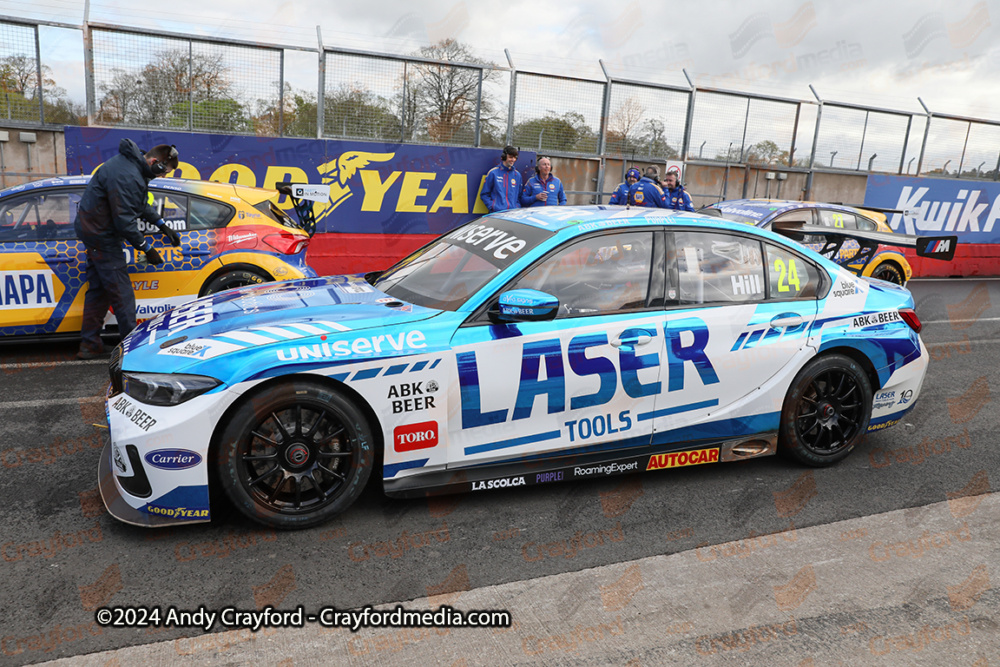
(502, 188)
(543, 189)
(646, 192)
(116, 195)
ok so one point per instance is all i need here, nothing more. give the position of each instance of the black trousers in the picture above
(108, 286)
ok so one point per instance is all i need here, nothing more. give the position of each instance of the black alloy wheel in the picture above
(295, 455)
(889, 272)
(826, 411)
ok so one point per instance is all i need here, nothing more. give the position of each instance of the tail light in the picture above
(910, 317)
(287, 244)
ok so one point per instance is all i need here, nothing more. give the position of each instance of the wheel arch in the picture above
(892, 258)
(351, 394)
(226, 268)
(858, 357)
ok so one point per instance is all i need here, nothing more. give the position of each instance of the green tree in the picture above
(19, 93)
(353, 112)
(568, 132)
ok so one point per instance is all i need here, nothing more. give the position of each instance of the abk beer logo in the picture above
(423, 435)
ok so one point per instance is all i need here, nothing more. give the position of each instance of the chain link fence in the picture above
(20, 74)
(145, 79)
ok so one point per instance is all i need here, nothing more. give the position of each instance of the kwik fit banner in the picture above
(933, 206)
(375, 188)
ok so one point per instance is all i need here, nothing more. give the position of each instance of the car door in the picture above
(738, 311)
(584, 381)
(42, 265)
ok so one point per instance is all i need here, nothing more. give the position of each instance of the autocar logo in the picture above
(173, 459)
(410, 437)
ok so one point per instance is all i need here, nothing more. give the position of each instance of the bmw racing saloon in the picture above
(527, 347)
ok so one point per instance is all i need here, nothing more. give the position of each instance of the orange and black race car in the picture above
(231, 236)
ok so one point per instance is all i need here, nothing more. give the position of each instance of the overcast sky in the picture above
(884, 53)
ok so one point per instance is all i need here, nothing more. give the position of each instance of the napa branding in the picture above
(173, 459)
(26, 289)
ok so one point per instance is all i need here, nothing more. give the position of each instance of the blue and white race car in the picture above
(527, 347)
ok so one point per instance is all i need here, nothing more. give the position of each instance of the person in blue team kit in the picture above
(502, 188)
(677, 198)
(620, 197)
(646, 192)
(543, 189)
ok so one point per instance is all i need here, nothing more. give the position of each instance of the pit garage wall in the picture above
(945, 206)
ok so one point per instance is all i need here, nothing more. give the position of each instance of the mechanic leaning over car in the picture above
(116, 195)
(620, 197)
(646, 192)
(502, 188)
(543, 189)
(677, 198)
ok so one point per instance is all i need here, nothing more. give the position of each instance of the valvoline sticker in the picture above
(173, 459)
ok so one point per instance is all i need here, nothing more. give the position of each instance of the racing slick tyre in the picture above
(231, 279)
(889, 272)
(295, 455)
(826, 411)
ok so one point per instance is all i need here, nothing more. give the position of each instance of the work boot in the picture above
(86, 352)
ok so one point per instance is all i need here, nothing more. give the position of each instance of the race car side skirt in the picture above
(581, 466)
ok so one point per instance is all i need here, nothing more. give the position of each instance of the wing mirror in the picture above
(524, 305)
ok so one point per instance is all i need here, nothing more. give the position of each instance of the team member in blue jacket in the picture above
(646, 192)
(677, 198)
(620, 197)
(543, 189)
(502, 189)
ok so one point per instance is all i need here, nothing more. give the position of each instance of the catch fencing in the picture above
(443, 95)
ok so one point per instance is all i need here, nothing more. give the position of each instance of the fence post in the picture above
(88, 64)
(961, 160)
(190, 85)
(38, 73)
(605, 110)
(906, 140)
(321, 86)
(402, 104)
(743, 141)
(864, 133)
(281, 95)
(511, 100)
(688, 118)
(923, 144)
(479, 111)
(795, 134)
(812, 153)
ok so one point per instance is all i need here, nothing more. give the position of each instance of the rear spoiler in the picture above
(932, 247)
(302, 194)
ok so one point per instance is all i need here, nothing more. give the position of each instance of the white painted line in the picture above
(42, 402)
(969, 321)
(60, 364)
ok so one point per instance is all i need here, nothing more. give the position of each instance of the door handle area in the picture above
(786, 320)
(637, 341)
(56, 259)
(194, 252)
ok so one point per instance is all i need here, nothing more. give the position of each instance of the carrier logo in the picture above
(415, 436)
(681, 459)
(26, 289)
(173, 459)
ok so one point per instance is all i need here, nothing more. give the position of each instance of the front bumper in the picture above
(117, 506)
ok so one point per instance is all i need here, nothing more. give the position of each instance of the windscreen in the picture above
(445, 273)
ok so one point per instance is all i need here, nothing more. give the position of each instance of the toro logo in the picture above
(173, 459)
(415, 436)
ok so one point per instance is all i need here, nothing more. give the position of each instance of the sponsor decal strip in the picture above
(676, 409)
(391, 469)
(513, 442)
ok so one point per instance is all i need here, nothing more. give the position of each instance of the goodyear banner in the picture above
(933, 206)
(375, 188)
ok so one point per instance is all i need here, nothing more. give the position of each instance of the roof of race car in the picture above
(588, 218)
(186, 185)
(759, 209)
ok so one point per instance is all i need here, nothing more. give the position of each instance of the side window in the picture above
(600, 274)
(206, 214)
(866, 225)
(838, 219)
(790, 276)
(43, 216)
(172, 207)
(714, 268)
(804, 215)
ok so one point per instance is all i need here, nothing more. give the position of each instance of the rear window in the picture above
(740, 214)
(271, 210)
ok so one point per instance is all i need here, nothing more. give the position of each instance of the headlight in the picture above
(166, 388)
